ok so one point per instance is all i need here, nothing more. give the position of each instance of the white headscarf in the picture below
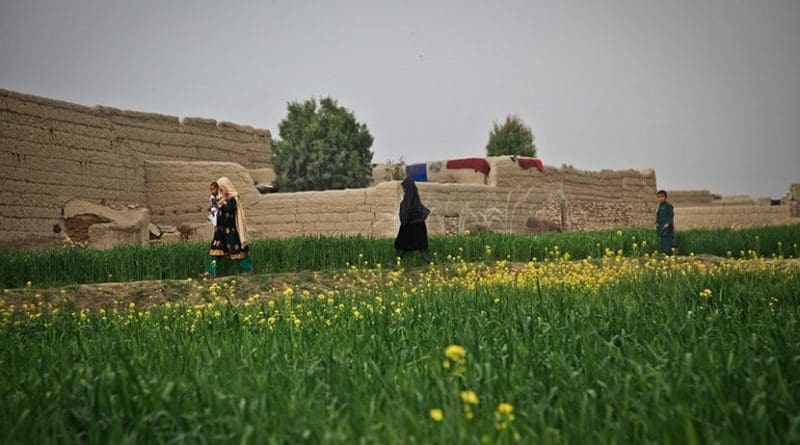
(226, 185)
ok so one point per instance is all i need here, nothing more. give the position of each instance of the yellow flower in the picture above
(455, 353)
(437, 414)
(469, 397)
(505, 408)
(706, 293)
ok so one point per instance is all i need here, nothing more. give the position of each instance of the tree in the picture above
(511, 138)
(322, 147)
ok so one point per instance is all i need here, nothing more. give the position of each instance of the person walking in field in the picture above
(413, 234)
(230, 233)
(665, 223)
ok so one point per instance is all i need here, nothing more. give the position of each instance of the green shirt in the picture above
(665, 215)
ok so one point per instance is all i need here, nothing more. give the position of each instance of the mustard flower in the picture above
(455, 353)
(469, 397)
(505, 408)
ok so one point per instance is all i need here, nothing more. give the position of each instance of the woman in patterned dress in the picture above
(230, 234)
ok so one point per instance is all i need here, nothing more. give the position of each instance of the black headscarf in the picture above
(411, 208)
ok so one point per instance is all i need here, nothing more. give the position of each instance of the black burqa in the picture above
(413, 234)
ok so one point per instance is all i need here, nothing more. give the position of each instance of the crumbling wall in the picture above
(53, 151)
(101, 227)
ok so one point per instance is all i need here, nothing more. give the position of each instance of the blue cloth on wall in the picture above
(417, 172)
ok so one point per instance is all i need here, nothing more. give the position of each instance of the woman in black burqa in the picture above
(413, 234)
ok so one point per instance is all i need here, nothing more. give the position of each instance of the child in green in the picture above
(665, 223)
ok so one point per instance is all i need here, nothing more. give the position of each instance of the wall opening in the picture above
(77, 227)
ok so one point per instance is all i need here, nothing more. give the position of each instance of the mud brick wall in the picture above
(369, 212)
(514, 200)
(734, 217)
(57, 151)
(177, 193)
(689, 198)
(54, 151)
(568, 197)
(578, 199)
(608, 198)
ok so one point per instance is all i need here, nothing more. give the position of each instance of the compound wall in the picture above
(734, 217)
(53, 151)
(515, 201)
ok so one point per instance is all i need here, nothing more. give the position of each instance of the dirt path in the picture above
(236, 289)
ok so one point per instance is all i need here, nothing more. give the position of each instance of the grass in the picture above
(615, 351)
(47, 268)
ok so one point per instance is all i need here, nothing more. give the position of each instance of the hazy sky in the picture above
(706, 92)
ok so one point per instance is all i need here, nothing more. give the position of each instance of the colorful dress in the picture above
(226, 242)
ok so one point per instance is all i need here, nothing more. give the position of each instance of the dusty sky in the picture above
(707, 92)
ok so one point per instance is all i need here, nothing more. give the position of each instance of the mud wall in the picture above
(53, 151)
(735, 217)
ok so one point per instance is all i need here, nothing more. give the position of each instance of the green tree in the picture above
(322, 147)
(511, 138)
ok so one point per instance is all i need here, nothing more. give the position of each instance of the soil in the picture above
(145, 294)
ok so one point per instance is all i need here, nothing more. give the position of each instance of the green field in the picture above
(619, 348)
(61, 267)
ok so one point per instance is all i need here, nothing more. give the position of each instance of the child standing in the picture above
(214, 208)
(665, 223)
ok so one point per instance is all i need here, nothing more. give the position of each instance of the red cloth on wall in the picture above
(527, 163)
(479, 164)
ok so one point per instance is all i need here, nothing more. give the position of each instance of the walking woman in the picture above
(230, 233)
(413, 234)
